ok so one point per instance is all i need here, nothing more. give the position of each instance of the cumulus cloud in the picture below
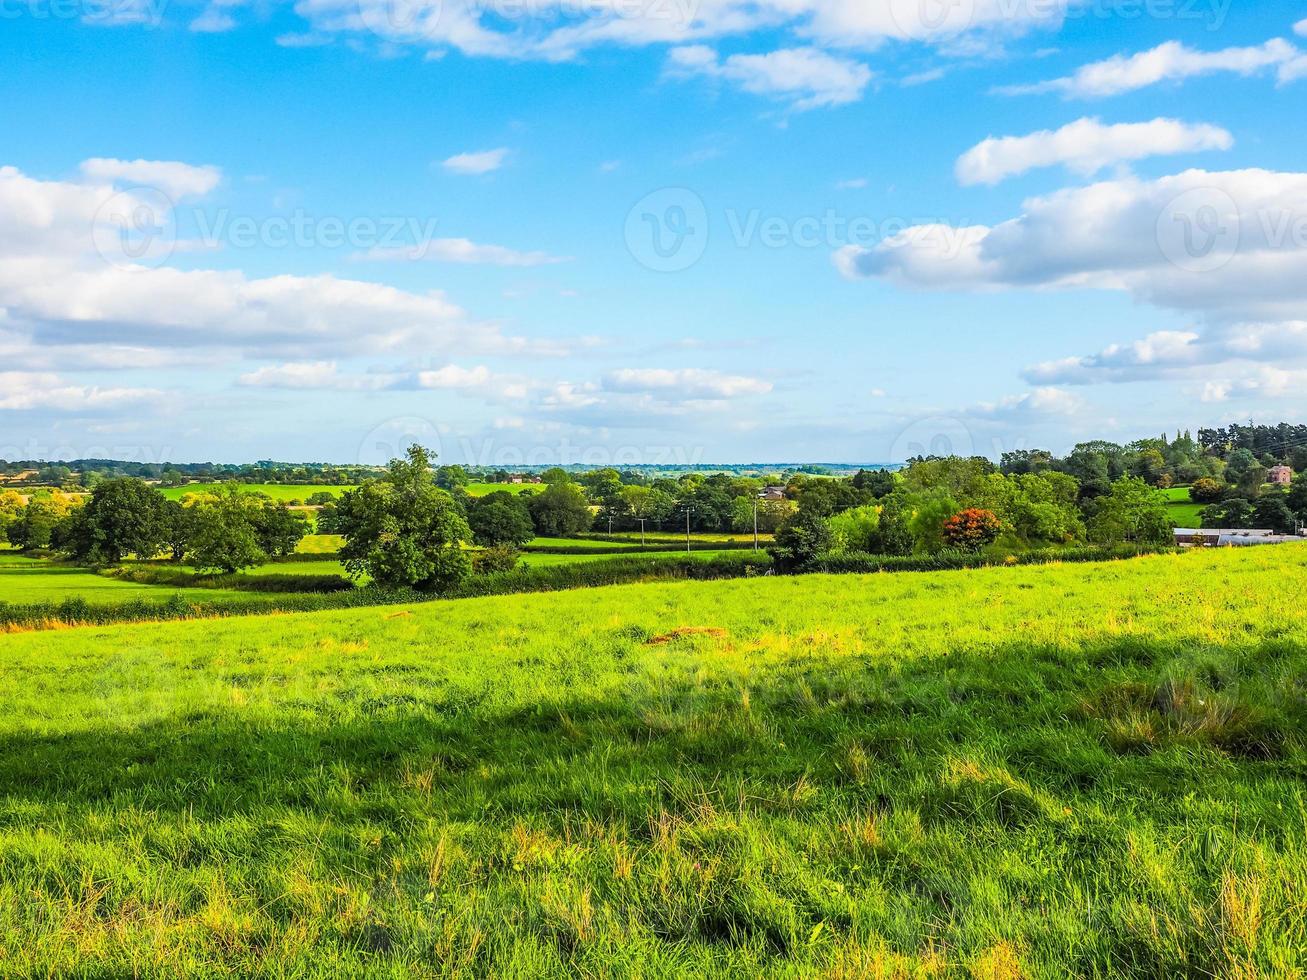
(1231, 245)
(68, 280)
(1085, 147)
(1170, 61)
(26, 391)
(475, 164)
(1032, 406)
(804, 77)
(312, 375)
(177, 180)
(685, 383)
(459, 250)
(477, 380)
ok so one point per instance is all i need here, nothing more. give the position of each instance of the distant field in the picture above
(36, 580)
(1182, 511)
(319, 544)
(481, 489)
(538, 560)
(671, 537)
(1064, 771)
(277, 491)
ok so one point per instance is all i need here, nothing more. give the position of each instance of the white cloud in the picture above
(1300, 28)
(459, 250)
(177, 180)
(685, 383)
(1231, 246)
(313, 375)
(482, 162)
(558, 30)
(1085, 147)
(805, 77)
(63, 285)
(856, 184)
(26, 390)
(477, 380)
(1039, 404)
(1170, 61)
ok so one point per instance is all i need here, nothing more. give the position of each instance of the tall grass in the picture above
(1077, 770)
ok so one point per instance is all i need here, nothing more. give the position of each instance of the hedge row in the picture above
(855, 562)
(184, 579)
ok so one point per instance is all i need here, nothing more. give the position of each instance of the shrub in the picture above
(497, 558)
(972, 529)
(1206, 491)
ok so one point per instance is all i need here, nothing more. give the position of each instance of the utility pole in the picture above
(687, 530)
(755, 523)
(641, 520)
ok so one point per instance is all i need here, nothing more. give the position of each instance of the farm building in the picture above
(1280, 475)
(1213, 537)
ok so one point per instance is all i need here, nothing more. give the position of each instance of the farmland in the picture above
(1074, 770)
(275, 491)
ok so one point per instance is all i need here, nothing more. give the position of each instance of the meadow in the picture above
(1182, 511)
(1087, 770)
(276, 491)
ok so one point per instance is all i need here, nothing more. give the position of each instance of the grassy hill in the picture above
(1081, 770)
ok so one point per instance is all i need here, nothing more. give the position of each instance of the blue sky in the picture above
(239, 230)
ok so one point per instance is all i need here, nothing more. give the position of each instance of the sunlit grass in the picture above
(1081, 770)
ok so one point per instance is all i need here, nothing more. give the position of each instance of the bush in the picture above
(498, 558)
(972, 529)
(1206, 491)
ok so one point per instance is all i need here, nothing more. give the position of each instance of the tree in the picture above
(277, 528)
(321, 498)
(223, 536)
(39, 520)
(452, 478)
(403, 530)
(1131, 511)
(1206, 491)
(555, 474)
(1297, 498)
(500, 518)
(800, 539)
(878, 483)
(561, 510)
(123, 516)
(11, 510)
(855, 529)
(1232, 513)
(1272, 511)
(180, 525)
(972, 529)
(1244, 471)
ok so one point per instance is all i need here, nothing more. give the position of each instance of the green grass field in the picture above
(1083, 770)
(25, 580)
(1182, 511)
(481, 489)
(538, 560)
(277, 491)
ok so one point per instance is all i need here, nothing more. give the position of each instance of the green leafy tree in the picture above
(278, 529)
(1232, 512)
(180, 525)
(500, 518)
(1272, 511)
(1131, 512)
(123, 516)
(855, 529)
(800, 539)
(403, 530)
(223, 534)
(560, 510)
(11, 510)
